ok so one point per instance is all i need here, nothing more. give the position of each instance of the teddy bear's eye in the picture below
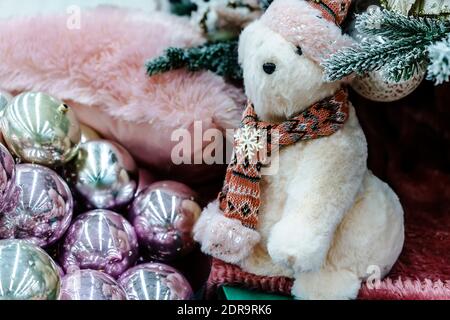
(269, 67)
(299, 51)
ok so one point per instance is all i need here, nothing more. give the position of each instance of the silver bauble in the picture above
(41, 129)
(104, 175)
(27, 272)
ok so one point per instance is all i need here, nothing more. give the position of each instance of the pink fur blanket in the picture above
(99, 70)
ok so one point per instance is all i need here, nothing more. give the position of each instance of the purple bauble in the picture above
(44, 209)
(8, 191)
(163, 216)
(100, 240)
(155, 281)
(90, 285)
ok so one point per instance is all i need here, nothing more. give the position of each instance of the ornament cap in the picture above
(63, 108)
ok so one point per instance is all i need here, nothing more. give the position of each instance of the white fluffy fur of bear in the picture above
(325, 219)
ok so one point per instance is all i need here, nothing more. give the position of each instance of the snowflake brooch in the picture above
(248, 141)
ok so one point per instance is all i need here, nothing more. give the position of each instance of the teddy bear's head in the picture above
(281, 54)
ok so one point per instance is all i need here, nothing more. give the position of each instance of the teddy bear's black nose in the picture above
(269, 67)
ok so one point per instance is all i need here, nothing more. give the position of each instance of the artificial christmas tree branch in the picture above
(439, 67)
(393, 43)
(390, 24)
(218, 57)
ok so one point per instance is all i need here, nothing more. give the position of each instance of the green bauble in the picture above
(41, 129)
(27, 272)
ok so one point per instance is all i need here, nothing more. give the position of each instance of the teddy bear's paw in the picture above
(326, 285)
(296, 247)
(224, 238)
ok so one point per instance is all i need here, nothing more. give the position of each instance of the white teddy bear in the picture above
(323, 219)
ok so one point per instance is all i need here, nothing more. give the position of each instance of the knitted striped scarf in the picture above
(240, 195)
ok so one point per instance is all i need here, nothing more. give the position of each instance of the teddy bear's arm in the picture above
(323, 184)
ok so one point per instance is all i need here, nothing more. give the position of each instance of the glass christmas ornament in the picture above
(374, 87)
(44, 208)
(41, 129)
(8, 189)
(90, 285)
(27, 272)
(104, 175)
(155, 281)
(163, 216)
(100, 240)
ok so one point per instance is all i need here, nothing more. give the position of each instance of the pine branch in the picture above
(369, 55)
(439, 67)
(218, 57)
(391, 41)
(405, 65)
(391, 24)
(360, 59)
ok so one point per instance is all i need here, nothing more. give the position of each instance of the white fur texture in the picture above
(325, 219)
(296, 83)
(224, 238)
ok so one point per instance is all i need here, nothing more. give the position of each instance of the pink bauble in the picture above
(90, 285)
(44, 209)
(163, 216)
(155, 281)
(8, 190)
(100, 240)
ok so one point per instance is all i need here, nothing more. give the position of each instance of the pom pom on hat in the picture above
(312, 25)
